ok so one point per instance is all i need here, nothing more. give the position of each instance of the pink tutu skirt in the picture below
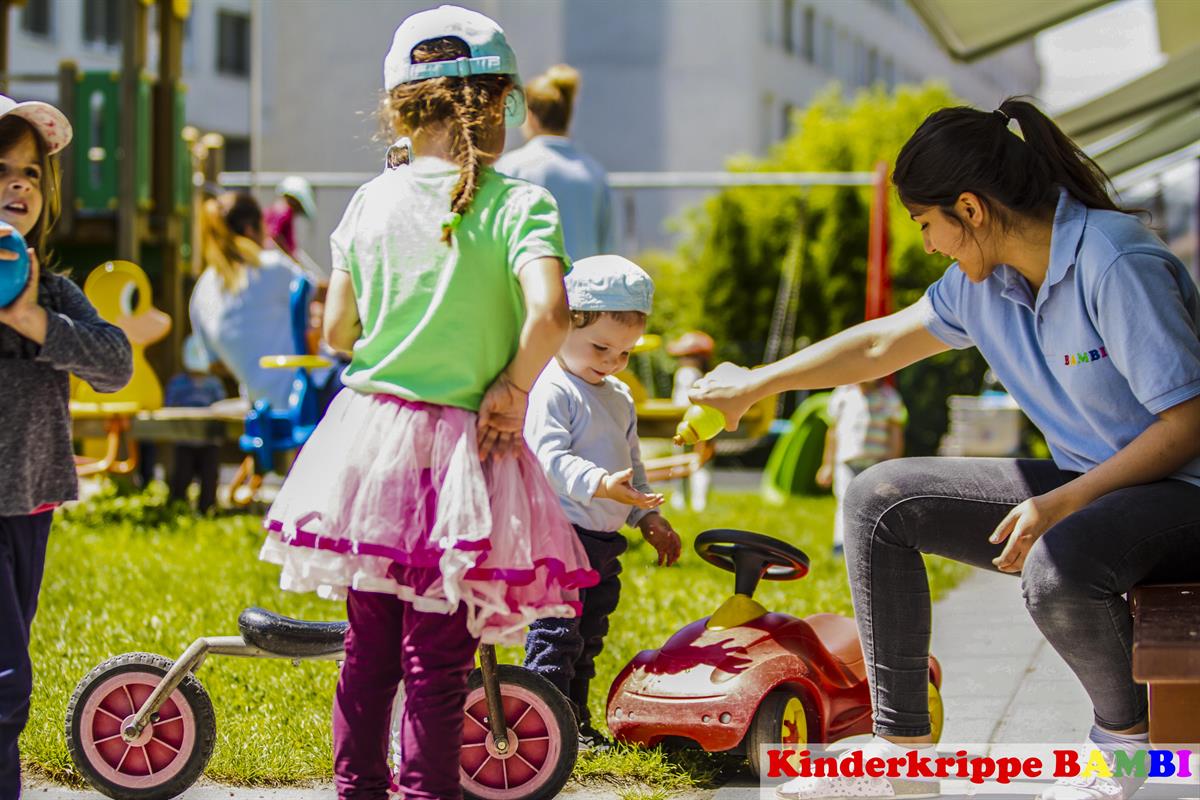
(384, 485)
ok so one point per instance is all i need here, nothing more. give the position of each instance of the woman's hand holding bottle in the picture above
(729, 389)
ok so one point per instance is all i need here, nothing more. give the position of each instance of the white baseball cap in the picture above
(299, 188)
(490, 52)
(195, 356)
(50, 123)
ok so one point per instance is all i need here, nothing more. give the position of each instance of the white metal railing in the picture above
(618, 180)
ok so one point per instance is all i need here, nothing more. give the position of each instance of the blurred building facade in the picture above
(216, 56)
(668, 85)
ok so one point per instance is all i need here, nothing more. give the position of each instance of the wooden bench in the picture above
(1166, 657)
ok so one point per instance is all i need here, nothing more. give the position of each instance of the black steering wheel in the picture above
(751, 557)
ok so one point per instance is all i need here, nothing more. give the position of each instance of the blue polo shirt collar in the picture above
(1070, 217)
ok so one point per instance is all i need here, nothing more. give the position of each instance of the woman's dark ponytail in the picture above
(963, 149)
(1070, 167)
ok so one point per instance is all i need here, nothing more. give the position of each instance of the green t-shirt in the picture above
(440, 321)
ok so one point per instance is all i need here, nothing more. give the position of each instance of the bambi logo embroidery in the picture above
(1086, 357)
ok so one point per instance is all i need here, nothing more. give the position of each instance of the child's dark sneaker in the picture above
(592, 739)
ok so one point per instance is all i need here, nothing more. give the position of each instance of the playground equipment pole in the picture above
(4, 7)
(133, 61)
(171, 14)
(879, 281)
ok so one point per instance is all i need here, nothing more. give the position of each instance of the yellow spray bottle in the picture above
(699, 423)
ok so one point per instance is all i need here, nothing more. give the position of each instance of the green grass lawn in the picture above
(131, 573)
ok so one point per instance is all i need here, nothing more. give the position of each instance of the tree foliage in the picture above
(736, 245)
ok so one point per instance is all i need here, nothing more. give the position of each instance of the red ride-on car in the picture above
(746, 677)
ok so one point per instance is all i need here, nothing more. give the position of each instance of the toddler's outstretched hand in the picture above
(617, 486)
(662, 537)
(501, 425)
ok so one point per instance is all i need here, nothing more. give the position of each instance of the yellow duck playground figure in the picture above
(121, 293)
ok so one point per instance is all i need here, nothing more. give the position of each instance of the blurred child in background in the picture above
(867, 426)
(195, 387)
(693, 351)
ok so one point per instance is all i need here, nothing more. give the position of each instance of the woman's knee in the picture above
(1056, 575)
(878, 489)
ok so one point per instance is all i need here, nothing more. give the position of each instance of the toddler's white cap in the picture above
(609, 283)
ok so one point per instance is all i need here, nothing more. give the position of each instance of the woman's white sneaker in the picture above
(860, 788)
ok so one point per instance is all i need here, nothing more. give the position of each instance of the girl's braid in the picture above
(467, 115)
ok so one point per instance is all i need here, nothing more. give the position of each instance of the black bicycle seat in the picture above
(285, 636)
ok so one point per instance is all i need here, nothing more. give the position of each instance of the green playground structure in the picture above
(792, 466)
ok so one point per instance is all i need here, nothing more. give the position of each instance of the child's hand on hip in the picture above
(618, 486)
(501, 425)
(662, 537)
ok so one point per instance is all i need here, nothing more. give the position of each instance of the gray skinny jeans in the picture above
(1073, 580)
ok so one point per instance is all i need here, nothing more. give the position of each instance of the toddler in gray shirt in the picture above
(582, 426)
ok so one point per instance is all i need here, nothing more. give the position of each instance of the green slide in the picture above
(792, 467)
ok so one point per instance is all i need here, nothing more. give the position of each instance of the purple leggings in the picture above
(433, 653)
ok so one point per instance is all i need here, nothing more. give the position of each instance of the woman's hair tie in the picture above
(998, 112)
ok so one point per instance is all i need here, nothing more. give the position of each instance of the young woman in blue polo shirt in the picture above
(1091, 323)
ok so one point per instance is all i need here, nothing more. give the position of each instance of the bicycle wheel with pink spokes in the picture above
(542, 737)
(170, 753)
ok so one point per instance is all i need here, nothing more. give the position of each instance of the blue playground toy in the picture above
(14, 275)
(268, 430)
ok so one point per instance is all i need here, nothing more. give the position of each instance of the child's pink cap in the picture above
(50, 123)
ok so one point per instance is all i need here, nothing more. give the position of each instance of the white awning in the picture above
(1161, 138)
(1169, 90)
(970, 29)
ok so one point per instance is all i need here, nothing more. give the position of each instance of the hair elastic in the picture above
(1007, 119)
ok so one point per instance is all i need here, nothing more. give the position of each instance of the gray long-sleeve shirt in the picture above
(37, 464)
(579, 431)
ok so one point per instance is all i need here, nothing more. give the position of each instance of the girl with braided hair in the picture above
(416, 498)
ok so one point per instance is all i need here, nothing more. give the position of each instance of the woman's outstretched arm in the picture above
(866, 351)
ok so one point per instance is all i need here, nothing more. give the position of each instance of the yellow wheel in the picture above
(780, 719)
(794, 727)
(937, 713)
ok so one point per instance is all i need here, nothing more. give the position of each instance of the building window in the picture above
(767, 124)
(872, 66)
(828, 61)
(189, 44)
(37, 18)
(889, 73)
(233, 44)
(102, 22)
(789, 26)
(858, 68)
(787, 117)
(808, 41)
(237, 153)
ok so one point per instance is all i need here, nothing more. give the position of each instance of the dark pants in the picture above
(564, 650)
(1074, 578)
(202, 461)
(22, 559)
(433, 653)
